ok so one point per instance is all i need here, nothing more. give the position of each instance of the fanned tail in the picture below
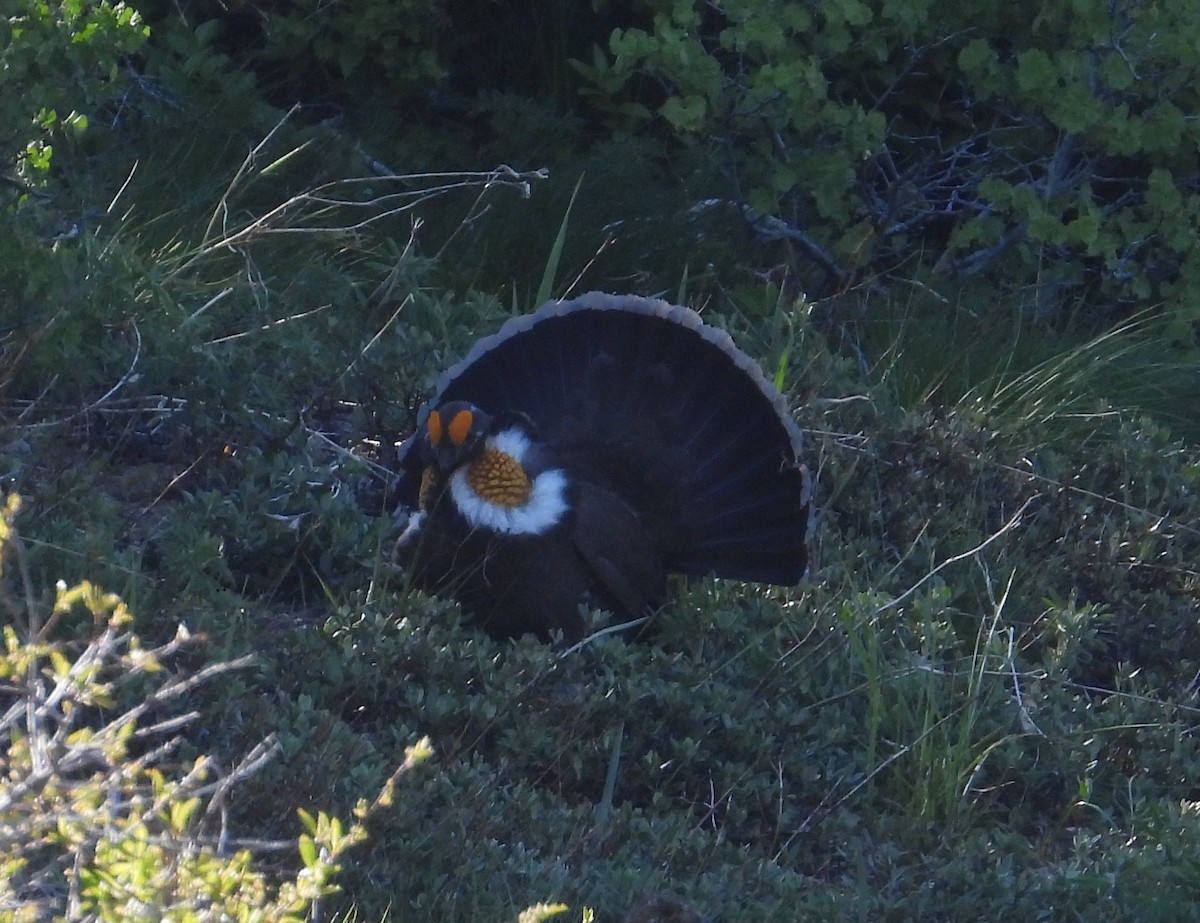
(667, 411)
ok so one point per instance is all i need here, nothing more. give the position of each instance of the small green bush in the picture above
(59, 64)
(100, 816)
(308, 51)
(1052, 154)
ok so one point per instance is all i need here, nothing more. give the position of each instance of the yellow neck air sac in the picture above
(499, 478)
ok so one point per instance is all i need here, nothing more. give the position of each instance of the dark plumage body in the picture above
(587, 450)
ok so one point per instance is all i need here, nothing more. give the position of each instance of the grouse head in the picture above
(453, 434)
(623, 439)
(494, 473)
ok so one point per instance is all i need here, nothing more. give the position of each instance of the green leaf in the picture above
(686, 113)
(1085, 229)
(977, 54)
(1036, 73)
(1161, 192)
(309, 822)
(308, 851)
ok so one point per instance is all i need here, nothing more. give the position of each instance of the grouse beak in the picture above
(447, 457)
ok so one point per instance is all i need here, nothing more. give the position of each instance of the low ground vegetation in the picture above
(981, 705)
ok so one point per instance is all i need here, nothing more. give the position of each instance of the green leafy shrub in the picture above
(1047, 159)
(308, 51)
(1094, 97)
(1050, 153)
(102, 817)
(744, 88)
(59, 64)
(389, 43)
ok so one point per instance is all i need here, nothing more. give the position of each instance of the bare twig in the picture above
(1012, 523)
